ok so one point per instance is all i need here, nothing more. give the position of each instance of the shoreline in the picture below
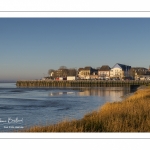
(132, 114)
(132, 93)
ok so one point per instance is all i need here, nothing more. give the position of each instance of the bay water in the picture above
(26, 107)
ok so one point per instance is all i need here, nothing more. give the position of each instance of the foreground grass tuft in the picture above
(130, 115)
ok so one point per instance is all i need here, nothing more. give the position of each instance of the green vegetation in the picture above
(130, 115)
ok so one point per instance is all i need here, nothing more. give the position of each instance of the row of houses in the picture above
(118, 71)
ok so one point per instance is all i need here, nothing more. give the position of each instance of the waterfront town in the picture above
(117, 72)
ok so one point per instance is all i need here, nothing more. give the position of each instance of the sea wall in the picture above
(80, 83)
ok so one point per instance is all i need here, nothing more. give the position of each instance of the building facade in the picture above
(104, 71)
(137, 72)
(120, 71)
(86, 73)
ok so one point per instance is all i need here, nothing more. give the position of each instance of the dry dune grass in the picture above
(130, 115)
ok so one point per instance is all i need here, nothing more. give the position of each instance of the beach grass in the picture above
(130, 115)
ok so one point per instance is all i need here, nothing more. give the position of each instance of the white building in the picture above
(120, 71)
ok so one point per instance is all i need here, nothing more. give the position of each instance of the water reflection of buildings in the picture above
(105, 91)
(108, 93)
(60, 93)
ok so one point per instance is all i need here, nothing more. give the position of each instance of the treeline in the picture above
(63, 71)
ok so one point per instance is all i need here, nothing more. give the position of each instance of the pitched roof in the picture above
(124, 67)
(104, 68)
(80, 69)
(87, 68)
(139, 68)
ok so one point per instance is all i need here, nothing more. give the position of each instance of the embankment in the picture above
(81, 83)
(130, 115)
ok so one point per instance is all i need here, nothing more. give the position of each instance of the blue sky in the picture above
(29, 47)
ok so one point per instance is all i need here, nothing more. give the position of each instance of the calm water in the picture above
(25, 107)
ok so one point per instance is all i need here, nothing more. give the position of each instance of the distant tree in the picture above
(62, 67)
(65, 72)
(132, 72)
(50, 71)
(62, 72)
(72, 72)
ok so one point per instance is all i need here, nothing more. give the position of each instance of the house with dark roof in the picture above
(138, 72)
(104, 71)
(86, 72)
(120, 71)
